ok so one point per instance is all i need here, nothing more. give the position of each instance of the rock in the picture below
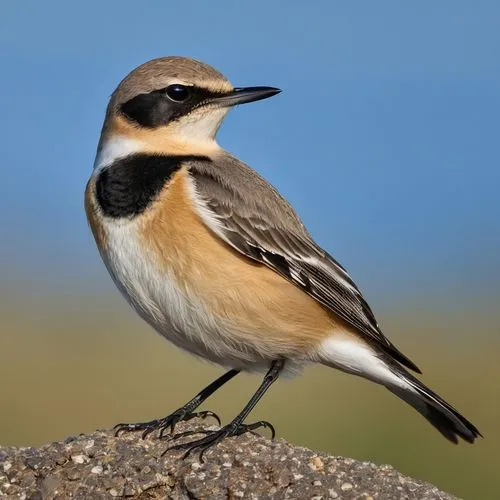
(247, 466)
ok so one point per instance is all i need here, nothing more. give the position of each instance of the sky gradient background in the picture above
(385, 139)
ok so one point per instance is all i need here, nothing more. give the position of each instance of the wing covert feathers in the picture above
(255, 220)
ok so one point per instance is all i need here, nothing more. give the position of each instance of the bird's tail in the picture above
(352, 355)
(435, 409)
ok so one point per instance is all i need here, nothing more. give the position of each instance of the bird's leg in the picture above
(236, 427)
(184, 413)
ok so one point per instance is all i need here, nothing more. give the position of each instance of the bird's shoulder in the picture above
(227, 183)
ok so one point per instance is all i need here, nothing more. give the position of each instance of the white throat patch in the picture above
(117, 146)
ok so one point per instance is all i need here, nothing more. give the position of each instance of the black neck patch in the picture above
(156, 108)
(128, 186)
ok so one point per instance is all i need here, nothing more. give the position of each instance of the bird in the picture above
(211, 256)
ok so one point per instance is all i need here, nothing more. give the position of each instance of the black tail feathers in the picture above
(438, 412)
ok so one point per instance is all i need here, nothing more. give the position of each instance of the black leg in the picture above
(185, 413)
(236, 427)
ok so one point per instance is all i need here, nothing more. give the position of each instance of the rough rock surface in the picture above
(100, 465)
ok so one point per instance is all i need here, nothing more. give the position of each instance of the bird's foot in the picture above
(164, 424)
(214, 437)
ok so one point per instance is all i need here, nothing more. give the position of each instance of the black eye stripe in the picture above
(165, 105)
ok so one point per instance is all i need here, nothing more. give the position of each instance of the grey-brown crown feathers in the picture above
(158, 73)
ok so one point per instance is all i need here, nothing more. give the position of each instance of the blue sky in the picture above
(385, 139)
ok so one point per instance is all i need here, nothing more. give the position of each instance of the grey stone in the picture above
(101, 465)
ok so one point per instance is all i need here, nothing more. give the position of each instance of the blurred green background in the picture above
(386, 141)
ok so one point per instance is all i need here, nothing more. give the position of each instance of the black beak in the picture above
(246, 94)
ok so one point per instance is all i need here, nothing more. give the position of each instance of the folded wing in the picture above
(263, 226)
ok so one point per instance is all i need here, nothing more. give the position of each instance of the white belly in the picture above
(174, 313)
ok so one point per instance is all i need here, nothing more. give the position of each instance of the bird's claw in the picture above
(164, 424)
(212, 438)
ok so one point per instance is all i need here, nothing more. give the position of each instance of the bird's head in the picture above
(174, 100)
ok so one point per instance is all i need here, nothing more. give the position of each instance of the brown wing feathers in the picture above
(279, 240)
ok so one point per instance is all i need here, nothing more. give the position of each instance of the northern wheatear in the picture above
(216, 261)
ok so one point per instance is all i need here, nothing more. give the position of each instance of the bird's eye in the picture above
(177, 92)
